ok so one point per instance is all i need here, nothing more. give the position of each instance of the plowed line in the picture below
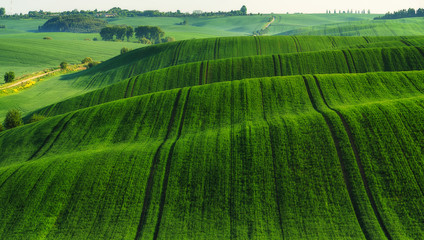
(149, 185)
(168, 169)
(340, 157)
(48, 138)
(273, 162)
(359, 163)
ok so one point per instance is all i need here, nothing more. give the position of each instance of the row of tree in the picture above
(350, 11)
(119, 32)
(118, 12)
(403, 14)
(145, 34)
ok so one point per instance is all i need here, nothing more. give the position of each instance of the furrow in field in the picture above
(148, 191)
(274, 159)
(341, 158)
(358, 161)
(168, 168)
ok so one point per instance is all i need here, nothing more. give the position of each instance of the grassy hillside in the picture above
(212, 139)
(241, 170)
(203, 27)
(397, 27)
(165, 55)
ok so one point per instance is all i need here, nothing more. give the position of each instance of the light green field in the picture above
(23, 51)
(395, 27)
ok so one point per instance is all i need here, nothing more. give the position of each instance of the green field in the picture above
(236, 137)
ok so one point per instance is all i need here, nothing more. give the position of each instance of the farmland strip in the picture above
(149, 186)
(271, 135)
(48, 137)
(201, 73)
(347, 61)
(358, 161)
(275, 61)
(176, 52)
(207, 72)
(412, 82)
(11, 175)
(396, 132)
(128, 85)
(103, 196)
(58, 135)
(168, 169)
(353, 61)
(339, 155)
(295, 43)
(232, 167)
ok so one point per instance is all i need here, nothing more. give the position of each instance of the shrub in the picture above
(63, 65)
(168, 39)
(95, 39)
(1, 127)
(93, 64)
(125, 50)
(47, 38)
(9, 77)
(87, 60)
(145, 41)
(36, 118)
(13, 119)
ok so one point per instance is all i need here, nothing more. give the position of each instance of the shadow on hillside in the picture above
(72, 76)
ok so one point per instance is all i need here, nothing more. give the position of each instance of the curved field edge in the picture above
(170, 54)
(206, 72)
(233, 158)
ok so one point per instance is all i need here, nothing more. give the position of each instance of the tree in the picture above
(87, 60)
(13, 119)
(9, 77)
(243, 10)
(129, 33)
(154, 34)
(125, 50)
(107, 33)
(63, 65)
(120, 32)
(2, 12)
(1, 127)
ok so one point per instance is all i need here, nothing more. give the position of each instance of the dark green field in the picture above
(254, 137)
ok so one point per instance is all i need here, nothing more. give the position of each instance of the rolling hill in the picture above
(243, 137)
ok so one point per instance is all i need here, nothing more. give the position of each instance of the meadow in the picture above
(236, 137)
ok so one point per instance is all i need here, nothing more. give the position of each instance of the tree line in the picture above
(118, 12)
(403, 14)
(145, 34)
(73, 23)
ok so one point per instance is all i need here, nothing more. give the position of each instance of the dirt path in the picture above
(27, 79)
(21, 81)
(267, 25)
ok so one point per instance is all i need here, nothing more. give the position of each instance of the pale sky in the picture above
(253, 6)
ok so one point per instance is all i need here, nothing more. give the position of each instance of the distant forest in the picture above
(118, 12)
(73, 23)
(403, 14)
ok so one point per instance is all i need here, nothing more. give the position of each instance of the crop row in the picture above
(206, 72)
(165, 55)
(257, 158)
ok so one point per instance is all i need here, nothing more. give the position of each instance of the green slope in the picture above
(217, 144)
(397, 27)
(254, 158)
(206, 72)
